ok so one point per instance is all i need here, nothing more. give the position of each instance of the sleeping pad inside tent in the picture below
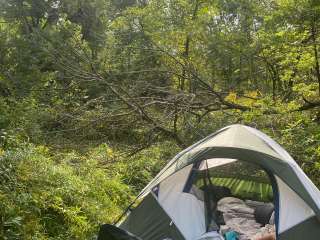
(235, 184)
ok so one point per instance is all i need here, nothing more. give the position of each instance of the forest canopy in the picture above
(96, 96)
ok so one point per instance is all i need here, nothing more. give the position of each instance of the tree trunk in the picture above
(316, 57)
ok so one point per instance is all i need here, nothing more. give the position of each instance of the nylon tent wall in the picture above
(183, 208)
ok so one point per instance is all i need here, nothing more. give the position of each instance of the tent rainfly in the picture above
(166, 208)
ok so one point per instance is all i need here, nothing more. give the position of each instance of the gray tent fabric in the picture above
(292, 188)
(308, 229)
(150, 222)
(110, 232)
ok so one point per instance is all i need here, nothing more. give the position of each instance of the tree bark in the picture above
(316, 57)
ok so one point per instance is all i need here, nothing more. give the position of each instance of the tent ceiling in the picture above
(215, 162)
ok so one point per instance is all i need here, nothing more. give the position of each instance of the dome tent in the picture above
(167, 210)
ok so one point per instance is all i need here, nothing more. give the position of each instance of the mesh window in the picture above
(245, 180)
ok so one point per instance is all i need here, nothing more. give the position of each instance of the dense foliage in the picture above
(96, 95)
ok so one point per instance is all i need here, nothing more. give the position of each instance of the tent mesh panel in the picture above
(245, 180)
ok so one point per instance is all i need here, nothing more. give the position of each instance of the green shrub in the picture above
(43, 199)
